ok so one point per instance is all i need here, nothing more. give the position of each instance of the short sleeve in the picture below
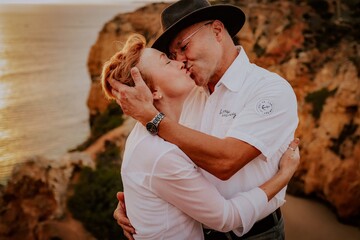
(269, 118)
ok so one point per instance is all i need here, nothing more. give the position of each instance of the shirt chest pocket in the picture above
(224, 120)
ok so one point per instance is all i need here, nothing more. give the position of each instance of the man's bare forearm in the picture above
(220, 157)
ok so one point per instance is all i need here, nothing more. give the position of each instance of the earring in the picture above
(160, 97)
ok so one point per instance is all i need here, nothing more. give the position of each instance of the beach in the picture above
(312, 220)
(44, 85)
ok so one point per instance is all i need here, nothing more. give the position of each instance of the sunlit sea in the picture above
(44, 82)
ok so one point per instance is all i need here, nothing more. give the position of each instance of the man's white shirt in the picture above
(256, 106)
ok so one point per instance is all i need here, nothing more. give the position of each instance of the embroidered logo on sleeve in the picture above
(264, 107)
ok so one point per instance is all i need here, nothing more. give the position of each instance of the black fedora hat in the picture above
(184, 13)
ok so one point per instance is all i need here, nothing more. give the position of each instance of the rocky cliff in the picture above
(33, 204)
(314, 45)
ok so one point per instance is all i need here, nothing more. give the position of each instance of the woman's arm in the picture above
(188, 190)
(288, 164)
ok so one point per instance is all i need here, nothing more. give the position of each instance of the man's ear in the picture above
(218, 28)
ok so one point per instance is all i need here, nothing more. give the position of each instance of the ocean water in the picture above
(44, 82)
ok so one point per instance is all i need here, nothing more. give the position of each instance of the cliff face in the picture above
(32, 205)
(114, 34)
(315, 47)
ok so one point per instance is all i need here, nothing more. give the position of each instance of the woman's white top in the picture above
(167, 196)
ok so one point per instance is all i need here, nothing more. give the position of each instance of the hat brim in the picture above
(232, 17)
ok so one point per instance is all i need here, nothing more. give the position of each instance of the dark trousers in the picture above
(269, 228)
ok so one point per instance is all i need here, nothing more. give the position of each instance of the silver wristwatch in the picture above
(153, 125)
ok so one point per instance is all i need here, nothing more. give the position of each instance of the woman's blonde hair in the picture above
(119, 65)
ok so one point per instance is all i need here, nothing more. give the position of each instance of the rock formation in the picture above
(34, 199)
(315, 47)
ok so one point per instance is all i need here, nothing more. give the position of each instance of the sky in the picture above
(76, 1)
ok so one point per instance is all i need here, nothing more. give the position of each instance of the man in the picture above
(250, 114)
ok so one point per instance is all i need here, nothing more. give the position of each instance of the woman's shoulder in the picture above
(144, 147)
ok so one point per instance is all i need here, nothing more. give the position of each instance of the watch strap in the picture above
(157, 119)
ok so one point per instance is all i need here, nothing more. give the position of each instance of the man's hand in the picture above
(136, 101)
(121, 218)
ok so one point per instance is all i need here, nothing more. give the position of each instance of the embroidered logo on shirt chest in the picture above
(227, 113)
(264, 107)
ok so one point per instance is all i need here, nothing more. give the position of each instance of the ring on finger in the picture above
(291, 148)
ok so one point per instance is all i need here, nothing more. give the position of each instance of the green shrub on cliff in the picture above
(317, 99)
(331, 22)
(103, 123)
(348, 133)
(94, 198)
(106, 121)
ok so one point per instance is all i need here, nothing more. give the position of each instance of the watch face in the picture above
(151, 128)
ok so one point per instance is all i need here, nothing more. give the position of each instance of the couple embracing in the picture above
(213, 149)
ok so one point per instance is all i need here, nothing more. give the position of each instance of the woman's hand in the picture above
(288, 164)
(290, 160)
(121, 218)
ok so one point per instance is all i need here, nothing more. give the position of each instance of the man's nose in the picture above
(181, 58)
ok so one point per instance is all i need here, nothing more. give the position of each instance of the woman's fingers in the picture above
(294, 144)
(291, 157)
(127, 228)
(128, 235)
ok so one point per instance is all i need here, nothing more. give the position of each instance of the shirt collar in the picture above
(234, 76)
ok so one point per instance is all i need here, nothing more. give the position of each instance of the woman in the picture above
(166, 195)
